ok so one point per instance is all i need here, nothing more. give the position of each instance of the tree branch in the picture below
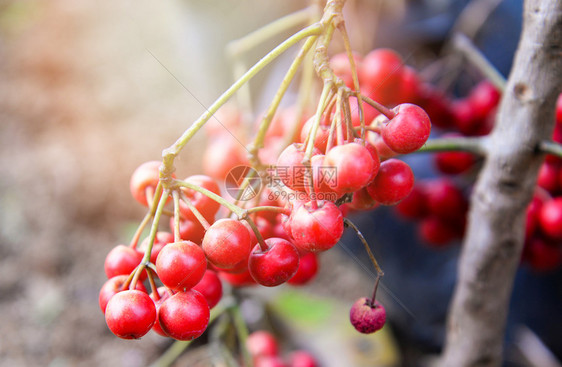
(494, 239)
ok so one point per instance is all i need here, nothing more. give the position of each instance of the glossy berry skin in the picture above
(408, 130)
(483, 99)
(161, 240)
(301, 358)
(207, 206)
(190, 230)
(275, 265)
(308, 268)
(550, 218)
(227, 243)
(221, 155)
(365, 317)
(393, 183)
(238, 280)
(185, 315)
(380, 75)
(113, 286)
(454, 163)
(290, 168)
(181, 265)
(130, 314)
(146, 176)
(316, 229)
(210, 287)
(164, 294)
(262, 343)
(414, 206)
(445, 199)
(354, 166)
(436, 232)
(122, 260)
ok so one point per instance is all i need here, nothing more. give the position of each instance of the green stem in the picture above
(251, 40)
(140, 229)
(476, 145)
(154, 228)
(241, 213)
(169, 154)
(268, 117)
(464, 45)
(195, 211)
(551, 147)
(177, 236)
(349, 223)
(317, 118)
(379, 107)
(242, 332)
(261, 241)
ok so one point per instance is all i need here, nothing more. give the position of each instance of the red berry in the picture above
(393, 183)
(161, 240)
(130, 314)
(483, 99)
(277, 264)
(361, 200)
(542, 255)
(190, 230)
(559, 109)
(413, 206)
(342, 67)
(290, 168)
(354, 166)
(181, 265)
(532, 219)
(122, 260)
(301, 358)
(436, 231)
(207, 206)
(227, 243)
(550, 218)
(237, 280)
(548, 176)
(113, 286)
(381, 74)
(163, 295)
(366, 317)
(322, 134)
(222, 155)
(185, 315)
(308, 268)
(144, 178)
(317, 228)
(408, 130)
(210, 287)
(445, 199)
(262, 343)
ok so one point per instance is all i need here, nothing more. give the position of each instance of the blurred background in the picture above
(89, 90)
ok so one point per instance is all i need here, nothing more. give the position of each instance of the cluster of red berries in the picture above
(265, 352)
(275, 236)
(439, 206)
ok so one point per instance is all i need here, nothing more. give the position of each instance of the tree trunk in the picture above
(495, 233)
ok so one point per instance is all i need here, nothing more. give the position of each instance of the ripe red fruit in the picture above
(308, 268)
(381, 74)
(237, 280)
(164, 295)
(322, 134)
(445, 199)
(413, 206)
(408, 130)
(113, 286)
(323, 178)
(185, 315)
(301, 358)
(275, 265)
(354, 166)
(342, 67)
(210, 287)
(161, 240)
(226, 243)
(548, 176)
(207, 206)
(559, 109)
(361, 200)
(122, 260)
(532, 219)
(483, 99)
(436, 232)
(190, 230)
(316, 229)
(130, 314)
(262, 343)
(550, 218)
(222, 155)
(393, 183)
(146, 176)
(290, 168)
(542, 255)
(366, 317)
(181, 265)
(454, 162)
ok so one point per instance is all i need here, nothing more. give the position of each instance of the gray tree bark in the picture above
(494, 240)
